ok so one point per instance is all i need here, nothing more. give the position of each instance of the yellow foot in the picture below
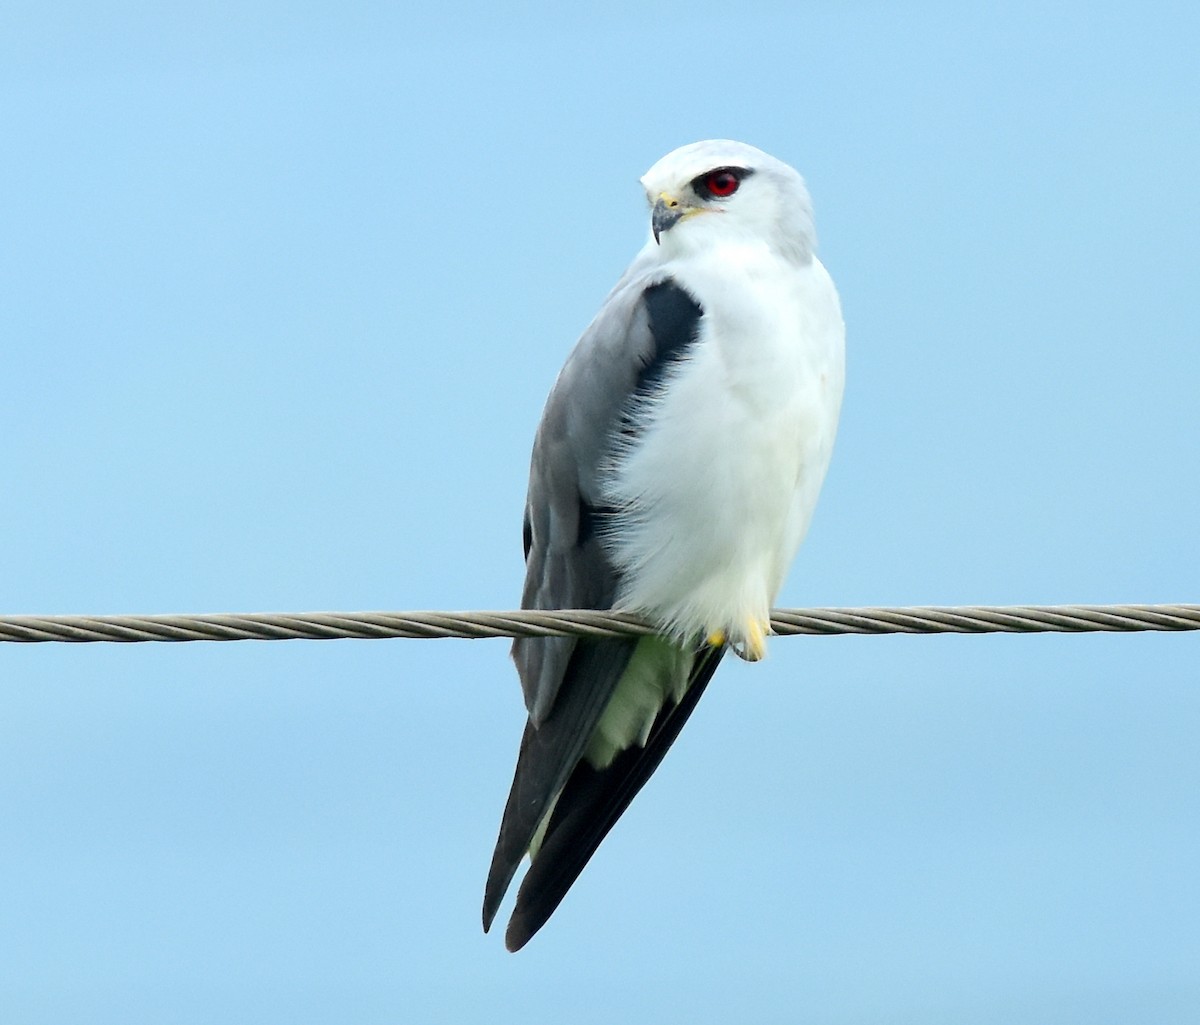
(754, 642)
(716, 638)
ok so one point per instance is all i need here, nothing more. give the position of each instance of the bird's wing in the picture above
(590, 804)
(646, 323)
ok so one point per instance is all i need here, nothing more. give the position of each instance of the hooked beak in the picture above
(668, 211)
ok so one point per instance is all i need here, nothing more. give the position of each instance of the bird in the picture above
(674, 474)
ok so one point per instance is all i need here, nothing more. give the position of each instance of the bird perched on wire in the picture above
(674, 474)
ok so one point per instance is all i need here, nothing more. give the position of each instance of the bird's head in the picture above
(723, 191)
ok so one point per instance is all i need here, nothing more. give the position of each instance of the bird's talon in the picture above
(753, 645)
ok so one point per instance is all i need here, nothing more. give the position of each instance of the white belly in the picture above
(720, 486)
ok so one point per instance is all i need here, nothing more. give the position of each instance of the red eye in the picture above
(721, 183)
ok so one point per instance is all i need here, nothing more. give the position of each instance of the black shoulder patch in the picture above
(674, 325)
(527, 535)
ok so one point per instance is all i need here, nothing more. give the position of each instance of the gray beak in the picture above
(667, 212)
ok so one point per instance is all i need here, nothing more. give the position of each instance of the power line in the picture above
(262, 626)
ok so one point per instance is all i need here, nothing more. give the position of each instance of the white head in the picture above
(722, 191)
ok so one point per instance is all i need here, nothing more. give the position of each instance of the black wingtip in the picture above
(516, 937)
(499, 879)
(520, 928)
(491, 904)
(541, 892)
(589, 806)
(549, 753)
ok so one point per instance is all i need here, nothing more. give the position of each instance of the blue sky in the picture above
(283, 292)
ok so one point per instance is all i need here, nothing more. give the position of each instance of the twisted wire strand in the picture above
(318, 626)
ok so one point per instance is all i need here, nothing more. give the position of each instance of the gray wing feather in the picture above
(567, 681)
(566, 566)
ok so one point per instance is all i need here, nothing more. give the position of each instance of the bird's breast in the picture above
(717, 487)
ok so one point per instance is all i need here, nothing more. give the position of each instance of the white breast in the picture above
(721, 484)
